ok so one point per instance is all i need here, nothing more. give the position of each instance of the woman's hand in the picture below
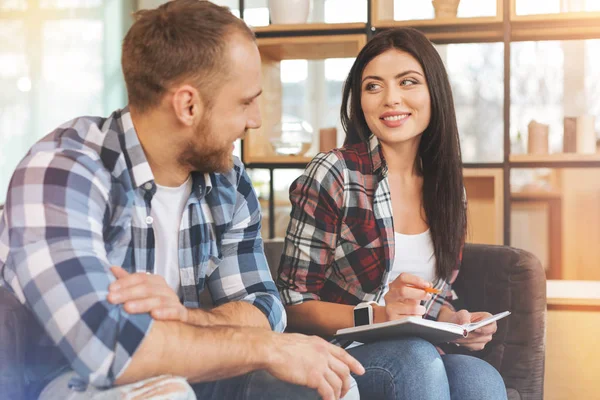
(478, 338)
(404, 297)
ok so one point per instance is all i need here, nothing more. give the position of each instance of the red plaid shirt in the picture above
(339, 244)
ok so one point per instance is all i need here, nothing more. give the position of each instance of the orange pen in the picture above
(427, 289)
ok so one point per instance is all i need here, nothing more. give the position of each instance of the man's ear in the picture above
(187, 104)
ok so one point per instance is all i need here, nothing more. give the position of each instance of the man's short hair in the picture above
(182, 40)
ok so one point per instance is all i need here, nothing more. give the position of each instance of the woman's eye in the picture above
(408, 82)
(371, 86)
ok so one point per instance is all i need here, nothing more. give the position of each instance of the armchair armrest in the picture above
(13, 322)
(499, 278)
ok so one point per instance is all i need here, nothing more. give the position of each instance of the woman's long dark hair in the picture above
(438, 158)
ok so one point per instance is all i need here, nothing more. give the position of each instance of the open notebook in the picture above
(432, 331)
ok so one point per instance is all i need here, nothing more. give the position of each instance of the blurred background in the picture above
(60, 59)
(526, 85)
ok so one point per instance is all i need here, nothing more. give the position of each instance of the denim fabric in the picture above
(258, 385)
(412, 368)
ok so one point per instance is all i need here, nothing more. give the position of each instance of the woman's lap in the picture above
(410, 368)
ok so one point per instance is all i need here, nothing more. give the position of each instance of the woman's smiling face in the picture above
(395, 97)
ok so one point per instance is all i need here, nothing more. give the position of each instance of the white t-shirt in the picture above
(414, 254)
(168, 204)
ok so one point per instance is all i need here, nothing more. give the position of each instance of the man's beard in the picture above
(203, 156)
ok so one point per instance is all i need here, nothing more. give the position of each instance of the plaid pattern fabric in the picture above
(339, 244)
(79, 202)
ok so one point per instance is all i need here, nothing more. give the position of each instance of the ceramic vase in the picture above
(289, 11)
(445, 8)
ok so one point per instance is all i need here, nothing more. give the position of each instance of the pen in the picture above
(427, 289)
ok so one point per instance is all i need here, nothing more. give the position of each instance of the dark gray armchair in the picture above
(492, 278)
(14, 322)
(495, 279)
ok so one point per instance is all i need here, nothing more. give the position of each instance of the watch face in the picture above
(361, 316)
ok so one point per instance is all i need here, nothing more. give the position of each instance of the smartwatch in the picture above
(363, 313)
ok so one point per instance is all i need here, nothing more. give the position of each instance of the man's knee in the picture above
(161, 387)
(262, 385)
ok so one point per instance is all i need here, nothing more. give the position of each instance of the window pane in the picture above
(13, 4)
(70, 3)
(15, 90)
(528, 7)
(338, 11)
(283, 207)
(150, 4)
(312, 91)
(550, 81)
(233, 5)
(283, 178)
(406, 10)
(555, 214)
(256, 12)
(237, 150)
(260, 182)
(72, 74)
(476, 74)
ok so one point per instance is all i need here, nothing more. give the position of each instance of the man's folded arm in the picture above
(55, 209)
(200, 354)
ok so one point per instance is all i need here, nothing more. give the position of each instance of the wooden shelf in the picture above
(311, 47)
(300, 160)
(485, 205)
(568, 26)
(537, 195)
(257, 149)
(454, 30)
(578, 293)
(443, 30)
(308, 28)
(554, 158)
(557, 26)
(557, 18)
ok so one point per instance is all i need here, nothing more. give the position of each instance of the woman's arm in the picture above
(319, 317)
(311, 238)
(324, 319)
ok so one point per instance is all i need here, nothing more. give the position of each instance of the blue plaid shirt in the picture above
(78, 203)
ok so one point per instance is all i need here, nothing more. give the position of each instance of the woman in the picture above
(383, 218)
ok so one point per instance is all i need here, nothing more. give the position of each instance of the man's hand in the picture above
(405, 296)
(313, 362)
(479, 337)
(146, 293)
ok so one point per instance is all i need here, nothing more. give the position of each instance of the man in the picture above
(114, 226)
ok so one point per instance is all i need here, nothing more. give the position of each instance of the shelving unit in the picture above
(488, 184)
(257, 149)
(563, 160)
(484, 188)
(314, 28)
(443, 30)
(573, 317)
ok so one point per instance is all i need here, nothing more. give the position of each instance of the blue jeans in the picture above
(411, 368)
(258, 385)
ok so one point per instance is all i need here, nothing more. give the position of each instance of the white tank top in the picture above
(414, 254)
